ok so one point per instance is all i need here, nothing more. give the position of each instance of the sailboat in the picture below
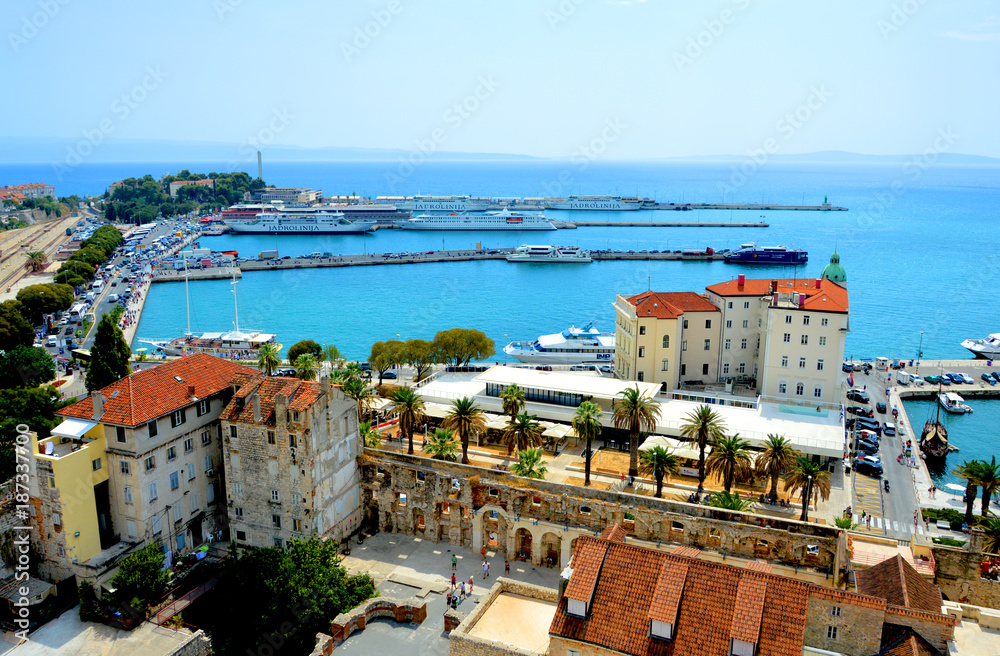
(232, 345)
(934, 437)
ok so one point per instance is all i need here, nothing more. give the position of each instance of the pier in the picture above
(683, 207)
(659, 224)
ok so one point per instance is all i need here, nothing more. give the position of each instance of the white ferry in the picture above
(317, 220)
(988, 348)
(546, 253)
(571, 346)
(502, 220)
(444, 204)
(607, 203)
(953, 403)
(377, 212)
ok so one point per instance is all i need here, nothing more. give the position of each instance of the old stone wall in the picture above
(468, 506)
(460, 643)
(957, 573)
(935, 629)
(400, 610)
(198, 644)
(858, 628)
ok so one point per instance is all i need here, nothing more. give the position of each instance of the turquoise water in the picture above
(974, 434)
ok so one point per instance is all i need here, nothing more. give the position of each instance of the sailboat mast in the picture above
(236, 306)
(187, 299)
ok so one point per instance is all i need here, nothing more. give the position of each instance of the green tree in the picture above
(306, 366)
(729, 501)
(522, 433)
(969, 471)
(991, 528)
(385, 356)
(703, 426)
(809, 478)
(369, 436)
(658, 462)
(268, 358)
(989, 479)
(37, 261)
(141, 579)
(305, 346)
(332, 355)
(14, 327)
(410, 407)
(588, 426)
(730, 459)
(351, 371)
(109, 356)
(636, 413)
(44, 299)
(462, 345)
(778, 456)
(844, 522)
(442, 445)
(512, 397)
(530, 464)
(421, 355)
(34, 406)
(26, 366)
(363, 394)
(468, 420)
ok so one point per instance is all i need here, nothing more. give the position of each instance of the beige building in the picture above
(290, 451)
(667, 338)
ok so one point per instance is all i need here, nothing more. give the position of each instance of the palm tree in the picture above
(636, 413)
(844, 522)
(809, 477)
(730, 501)
(991, 541)
(530, 464)
(36, 261)
(703, 426)
(730, 459)
(410, 408)
(442, 445)
(522, 432)
(969, 470)
(466, 419)
(989, 480)
(362, 394)
(587, 424)
(778, 456)
(267, 358)
(306, 366)
(350, 371)
(369, 436)
(513, 400)
(659, 462)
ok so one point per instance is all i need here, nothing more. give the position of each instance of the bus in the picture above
(81, 355)
(76, 312)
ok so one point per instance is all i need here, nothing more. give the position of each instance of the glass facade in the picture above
(554, 397)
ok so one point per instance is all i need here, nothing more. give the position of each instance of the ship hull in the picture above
(559, 358)
(353, 228)
(407, 225)
(768, 258)
(596, 206)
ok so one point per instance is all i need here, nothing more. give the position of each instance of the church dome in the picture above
(834, 271)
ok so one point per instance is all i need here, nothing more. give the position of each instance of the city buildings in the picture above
(32, 190)
(175, 186)
(286, 195)
(290, 452)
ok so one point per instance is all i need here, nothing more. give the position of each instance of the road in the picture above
(46, 236)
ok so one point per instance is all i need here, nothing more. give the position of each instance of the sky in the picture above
(626, 79)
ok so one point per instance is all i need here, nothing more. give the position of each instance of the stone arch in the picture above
(550, 550)
(491, 520)
(524, 544)
(419, 520)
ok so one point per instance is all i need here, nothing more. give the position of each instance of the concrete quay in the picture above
(660, 224)
(213, 273)
(825, 207)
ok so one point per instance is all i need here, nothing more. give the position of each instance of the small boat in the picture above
(571, 346)
(988, 348)
(953, 403)
(546, 253)
(753, 254)
(934, 440)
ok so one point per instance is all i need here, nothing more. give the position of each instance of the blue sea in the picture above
(918, 243)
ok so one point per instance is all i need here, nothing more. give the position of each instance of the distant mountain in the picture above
(841, 157)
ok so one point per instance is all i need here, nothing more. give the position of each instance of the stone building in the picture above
(290, 453)
(625, 599)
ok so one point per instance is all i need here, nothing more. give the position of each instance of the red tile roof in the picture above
(686, 551)
(145, 395)
(904, 641)
(758, 566)
(615, 533)
(828, 297)
(669, 305)
(899, 584)
(748, 608)
(587, 563)
(299, 394)
(667, 595)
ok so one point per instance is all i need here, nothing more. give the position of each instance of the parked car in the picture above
(867, 468)
(859, 410)
(965, 378)
(996, 376)
(889, 428)
(867, 434)
(389, 375)
(866, 449)
(916, 380)
(847, 367)
(988, 377)
(284, 371)
(866, 425)
(932, 380)
(858, 396)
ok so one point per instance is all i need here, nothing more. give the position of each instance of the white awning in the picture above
(496, 422)
(73, 428)
(678, 448)
(436, 410)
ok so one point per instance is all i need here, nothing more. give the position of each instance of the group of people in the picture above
(460, 589)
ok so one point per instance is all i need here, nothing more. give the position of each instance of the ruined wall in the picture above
(859, 627)
(460, 643)
(935, 629)
(957, 573)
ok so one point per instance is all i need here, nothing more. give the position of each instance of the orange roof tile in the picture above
(758, 566)
(299, 394)
(615, 533)
(828, 297)
(145, 395)
(669, 305)
(899, 584)
(587, 562)
(748, 608)
(686, 551)
(667, 595)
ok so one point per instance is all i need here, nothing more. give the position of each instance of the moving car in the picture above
(880, 408)
(858, 396)
(859, 410)
(889, 428)
(863, 466)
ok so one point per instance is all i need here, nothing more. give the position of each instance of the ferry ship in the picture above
(988, 348)
(377, 212)
(502, 220)
(607, 203)
(571, 346)
(444, 204)
(244, 211)
(316, 220)
(753, 254)
(546, 253)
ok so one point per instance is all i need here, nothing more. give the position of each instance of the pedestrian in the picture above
(454, 563)
(453, 581)
(483, 553)
(461, 591)
(506, 567)
(486, 568)
(447, 600)
(470, 585)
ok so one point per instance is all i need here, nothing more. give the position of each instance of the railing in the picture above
(712, 399)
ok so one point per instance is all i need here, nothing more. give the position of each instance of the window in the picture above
(237, 488)
(151, 427)
(238, 512)
(203, 407)
(782, 388)
(275, 496)
(178, 513)
(642, 330)
(291, 440)
(177, 418)
(194, 503)
(153, 491)
(746, 305)
(743, 344)
(421, 476)
(818, 392)
(784, 361)
(188, 445)
(666, 341)
(175, 480)
(120, 433)
(727, 344)
(658, 629)
(181, 541)
(641, 376)
(684, 345)
(664, 365)
(708, 323)
(276, 521)
(799, 389)
(277, 542)
(127, 494)
(295, 415)
(685, 324)
(743, 367)
(708, 345)
(824, 321)
(208, 462)
(130, 529)
(730, 305)
(802, 363)
(297, 525)
(241, 536)
(584, 510)
(805, 339)
(819, 365)
(156, 528)
(805, 320)
(704, 370)
(190, 469)
(172, 454)
(642, 351)
(232, 431)
(835, 611)
(206, 438)
(831, 633)
(729, 323)
(684, 368)
(96, 464)
(746, 323)
(150, 463)
(787, 339)
(126, 468)
(822, 341)
(788, 318)
(725, 368)
(270, 437)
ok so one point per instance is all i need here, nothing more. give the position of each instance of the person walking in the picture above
(454, 563)
(461, 591)
(486, 568)
(506, 567)
(453, 581)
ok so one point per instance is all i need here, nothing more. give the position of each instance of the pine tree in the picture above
(108, 357)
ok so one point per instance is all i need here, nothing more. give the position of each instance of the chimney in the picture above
(802, 300)
(324, 383)
(281, 412)
(819, 283)
(741, 279)
(256, 408)
(98, 400)
(191, 392)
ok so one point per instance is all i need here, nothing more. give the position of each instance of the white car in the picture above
(916, 380)
(967, 379)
